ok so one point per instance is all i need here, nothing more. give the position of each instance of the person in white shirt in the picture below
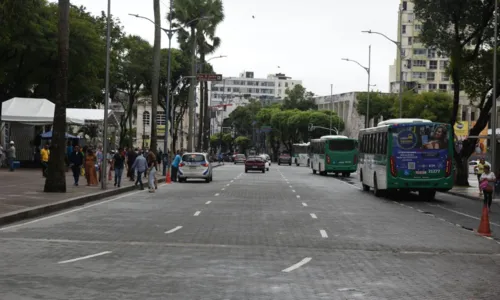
(489, 178)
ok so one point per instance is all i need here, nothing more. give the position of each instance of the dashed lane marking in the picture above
(293, 191)
(173, 229)
(84, 257)
(313, 216)
(217, 194)
(208, 202)
(298, 196)
(304, 204)
(297, 265)
(323, 233)
(197, 213)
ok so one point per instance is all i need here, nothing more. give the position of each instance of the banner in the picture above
(160, 130)
(461, 133)
(481, 145)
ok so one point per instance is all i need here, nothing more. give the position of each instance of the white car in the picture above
(195, 165)
(267, 159)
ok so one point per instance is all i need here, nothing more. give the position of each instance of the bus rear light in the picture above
(448, 167)
(328, 161)
(394, 171)
(355, 160)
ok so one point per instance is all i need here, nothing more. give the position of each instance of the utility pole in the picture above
(192, 92)
(368, 90)
(331, 111)
(493, 121)
(106, 104)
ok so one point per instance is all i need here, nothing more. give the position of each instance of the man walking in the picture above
(118, 165)
(11, 156)
(140, 165)
(175, 165)
(131, 157)
(76, 162)
(44, 159)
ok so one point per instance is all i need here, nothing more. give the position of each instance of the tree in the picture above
(298, 98)
(243, 117)
(243, 143)
(380, 105)
(155, 82)
(56, 175)
(458, 29)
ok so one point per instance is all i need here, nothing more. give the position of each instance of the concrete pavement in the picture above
(285, 234)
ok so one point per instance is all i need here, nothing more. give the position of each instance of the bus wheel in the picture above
(428, 195)
(314, 171)
(376, 191)
(347, 174)
(366, 187)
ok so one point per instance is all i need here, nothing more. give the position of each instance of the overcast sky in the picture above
(306, 39)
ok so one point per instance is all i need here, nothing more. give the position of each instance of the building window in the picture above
(229, 89)
(443, 64)
(443, 87)
(410, 40)
(257, 91)
(250, 90)
(418, 28)
(279, 92)
(464, 115)
(419, 51)
(433, 64)
(146, 118)
(286, 84)
(445, 77)
(431, 76)
(419, 63)
(403, 29)
(405, 5)
(160, 118)
(432, 86)
(236, 89)
(420, 75)
(417, 40)
(473, 116)
(431, 53)
(408, 64)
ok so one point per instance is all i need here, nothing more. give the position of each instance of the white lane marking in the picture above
(293, 191)
(173, 229)
(351, 185)
(83, 257)
(304, 204)
(217, 194)
(208, 202)
(461, 213)
(197, 213)
(313, 216)
(223, 189)
(71, 211)
(290, 186)
(298, 196)
(323, 233)
(232, 180)
(227, 184)
(297, 265)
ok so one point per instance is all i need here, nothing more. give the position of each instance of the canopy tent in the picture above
(48, 135)
(34, 111)
(91, 116)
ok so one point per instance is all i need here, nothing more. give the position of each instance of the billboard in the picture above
(461, 129)
(481, 144)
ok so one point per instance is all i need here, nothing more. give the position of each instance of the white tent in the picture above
(33, 111)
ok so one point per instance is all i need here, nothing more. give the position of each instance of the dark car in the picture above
(255, 163)
(285, 158)
(239, 158)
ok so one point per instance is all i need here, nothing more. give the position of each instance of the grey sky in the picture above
(307, 39)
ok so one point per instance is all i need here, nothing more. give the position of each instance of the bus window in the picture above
(342, 145)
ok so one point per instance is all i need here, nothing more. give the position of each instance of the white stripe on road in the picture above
(290, 186)
(197, 213)
(297, 265)
(83, 257)
(304, 204)
(208, 202)
(314, 216)
(227, 184)
(173, 230)
(217, 194)
(298, 196)
(323, 233)
(223, 189)
(461, 213)
(293, 191)
(232, 180)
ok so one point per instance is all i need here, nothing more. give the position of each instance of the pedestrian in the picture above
(76, 163)
(487, 184)
(118, 165)
(44, 159)
(141, 166)
(153, 166)
(480, 170)
(2, 156)
(11, 155)
(131, 157)
(175, 165)
(100, 158)
(165, 162)
(90, 167)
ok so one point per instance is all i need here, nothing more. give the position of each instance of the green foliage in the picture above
(243, 117)
(243, 143)
(380, 105)
(298, 98)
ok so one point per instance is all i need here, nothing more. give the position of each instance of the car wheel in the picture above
(207, 180)
(246, 171)
(267, 169)
(263, 170)
(279, 163)
(290, 164)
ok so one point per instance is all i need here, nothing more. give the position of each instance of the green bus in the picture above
(336, 154)
(406, 155)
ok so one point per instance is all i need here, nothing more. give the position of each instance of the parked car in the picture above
(255, 163)
(267, 160)
(285, 158)
(195, 166)
(240, 158)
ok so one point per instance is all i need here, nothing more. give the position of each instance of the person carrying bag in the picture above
(487, 185)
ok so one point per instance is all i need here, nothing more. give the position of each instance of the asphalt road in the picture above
(285, 234)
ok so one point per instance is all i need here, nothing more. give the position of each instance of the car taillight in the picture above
(182, 164)
(355, 160)
(448, 167)
(328, 161)
(394, 171)
(204, 164)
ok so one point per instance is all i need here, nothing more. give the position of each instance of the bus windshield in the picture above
(421, 150)
(342, 145)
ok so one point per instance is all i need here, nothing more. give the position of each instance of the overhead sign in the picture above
(209, 77)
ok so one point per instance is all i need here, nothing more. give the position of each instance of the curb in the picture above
(37, 211)
(475, 198)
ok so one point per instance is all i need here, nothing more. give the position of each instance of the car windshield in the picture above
(254, 158)
(240, 155)
(193, 158)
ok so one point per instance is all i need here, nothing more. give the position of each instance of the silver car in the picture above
(195, 165)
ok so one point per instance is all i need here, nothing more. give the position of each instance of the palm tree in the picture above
(185, 11)
(155, 79)
(56, 175)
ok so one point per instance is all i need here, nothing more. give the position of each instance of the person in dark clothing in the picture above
(118, 165)
(76, 162)
(131, 157)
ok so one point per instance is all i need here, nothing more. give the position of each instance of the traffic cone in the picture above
(168, 180)
(484, 226)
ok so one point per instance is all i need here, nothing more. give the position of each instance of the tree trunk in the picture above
(56, 177)
(201, 123)
(192, 91)
(156, 76)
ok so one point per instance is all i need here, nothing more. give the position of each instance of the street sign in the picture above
(209, 77)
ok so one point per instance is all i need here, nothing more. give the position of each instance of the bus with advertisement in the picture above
(406, 155)
(336, 154)
(300, 154)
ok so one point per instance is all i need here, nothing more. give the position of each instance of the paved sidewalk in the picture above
(471, 192)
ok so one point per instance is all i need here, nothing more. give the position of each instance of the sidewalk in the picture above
(471, 192)
(22, 196)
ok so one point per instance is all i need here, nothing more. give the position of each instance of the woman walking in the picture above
(90, 169)
(487, 184)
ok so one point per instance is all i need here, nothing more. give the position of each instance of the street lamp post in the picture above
(106, 103)
(368, 70)
(331, 102)
(401, 56)
(494, 120)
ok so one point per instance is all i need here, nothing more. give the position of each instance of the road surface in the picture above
(285, 234)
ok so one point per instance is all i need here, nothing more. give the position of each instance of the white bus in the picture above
(301, 154)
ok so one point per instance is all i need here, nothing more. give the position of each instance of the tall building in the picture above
(423, 69)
